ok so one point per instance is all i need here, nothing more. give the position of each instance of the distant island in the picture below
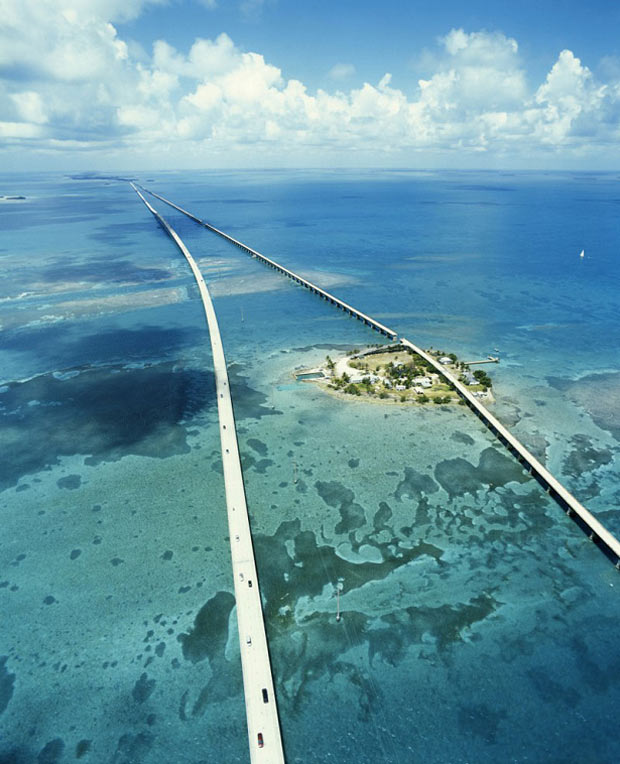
(396, 374)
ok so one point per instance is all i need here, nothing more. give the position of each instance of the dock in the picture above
(490, 359)
(264, 735)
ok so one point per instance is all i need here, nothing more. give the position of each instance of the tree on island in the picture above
(483, 378)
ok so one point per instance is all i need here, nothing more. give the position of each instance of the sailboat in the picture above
(582, 253)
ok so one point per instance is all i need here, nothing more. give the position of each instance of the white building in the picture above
(423, 382)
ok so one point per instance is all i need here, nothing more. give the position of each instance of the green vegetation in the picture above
(397, 373)
(483, 379)
(367, 385)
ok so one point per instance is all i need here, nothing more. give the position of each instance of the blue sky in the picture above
(305, 39)
(261, 83)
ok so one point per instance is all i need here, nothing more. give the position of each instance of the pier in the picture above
(371, 322)
(490, 359)
(265, 740)
(597, 532)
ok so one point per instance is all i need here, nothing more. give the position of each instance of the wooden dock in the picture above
(490, 359)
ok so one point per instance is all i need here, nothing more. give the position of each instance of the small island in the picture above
(395, 374)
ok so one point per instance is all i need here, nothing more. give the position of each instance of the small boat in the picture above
(582, 253)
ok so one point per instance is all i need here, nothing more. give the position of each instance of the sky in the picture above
(177, 84)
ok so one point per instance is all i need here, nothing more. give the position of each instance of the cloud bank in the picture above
(69, 84)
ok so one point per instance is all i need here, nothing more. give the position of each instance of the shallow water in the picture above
(478, 622)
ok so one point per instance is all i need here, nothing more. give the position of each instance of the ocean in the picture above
(479, 624)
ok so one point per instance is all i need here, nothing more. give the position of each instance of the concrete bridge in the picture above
(585, 519)
(264, 735)
(371, 322)
(603, 538)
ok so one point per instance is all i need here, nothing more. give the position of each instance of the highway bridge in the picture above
(585, 519)
(371, 322)
(265, 739)
(604, 539)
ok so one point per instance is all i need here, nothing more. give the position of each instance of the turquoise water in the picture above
(479, 623)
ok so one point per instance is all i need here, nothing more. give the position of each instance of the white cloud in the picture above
(30, 107)
(481, 72)
(341, 71)
(58, 43)
(570, 103)
(251, 9)
(71, 82)
(206, 97)
(19, 130)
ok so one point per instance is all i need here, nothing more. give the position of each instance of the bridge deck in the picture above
(290, 274)
(260, 699)
(597, 532)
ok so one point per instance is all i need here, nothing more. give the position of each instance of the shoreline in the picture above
(393, 375)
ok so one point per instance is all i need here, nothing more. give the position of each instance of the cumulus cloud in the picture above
(568, 101)
(69, 81)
